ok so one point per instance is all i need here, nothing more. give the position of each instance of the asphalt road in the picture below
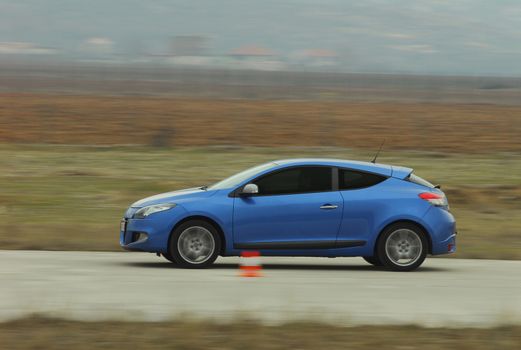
(141, 286)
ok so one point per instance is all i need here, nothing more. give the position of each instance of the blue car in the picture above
(298, 207)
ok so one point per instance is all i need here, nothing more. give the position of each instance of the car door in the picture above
(296, 208)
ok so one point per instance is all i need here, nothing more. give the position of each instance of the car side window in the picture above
(296, 180)
(351, 179)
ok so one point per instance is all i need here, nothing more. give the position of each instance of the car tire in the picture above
(402, 246)
(195, 244)
(373, 260)
(169, 257)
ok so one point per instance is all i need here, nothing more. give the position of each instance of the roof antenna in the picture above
(377, 153)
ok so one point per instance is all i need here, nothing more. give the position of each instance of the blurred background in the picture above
(105, 102)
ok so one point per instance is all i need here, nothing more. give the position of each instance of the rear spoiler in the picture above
(401, 172)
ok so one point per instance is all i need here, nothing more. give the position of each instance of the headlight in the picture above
(151, 209)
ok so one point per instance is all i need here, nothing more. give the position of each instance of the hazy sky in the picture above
(420, 36)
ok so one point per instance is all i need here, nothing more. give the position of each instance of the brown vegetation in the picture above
(42, 333)
(161, 121)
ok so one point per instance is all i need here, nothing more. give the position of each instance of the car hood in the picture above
(173, 197)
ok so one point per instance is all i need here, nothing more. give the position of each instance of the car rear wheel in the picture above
(373, 260)
(402, 247)
(195, 244)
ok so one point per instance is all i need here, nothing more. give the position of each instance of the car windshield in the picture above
(236, 179)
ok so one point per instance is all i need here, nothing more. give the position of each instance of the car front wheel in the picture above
(195, 244)
(402, 247)
(169, 257)
(373, 260)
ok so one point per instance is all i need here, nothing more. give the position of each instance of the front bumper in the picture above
(151, 234)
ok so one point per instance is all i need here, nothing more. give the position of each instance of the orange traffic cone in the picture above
(250, 264)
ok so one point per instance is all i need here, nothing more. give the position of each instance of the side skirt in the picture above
(300, 245)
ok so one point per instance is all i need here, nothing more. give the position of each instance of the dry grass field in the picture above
(162, 121)
(72, 197)
(42, 333)
(72, 164)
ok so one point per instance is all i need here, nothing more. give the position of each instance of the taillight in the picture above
(436, 199)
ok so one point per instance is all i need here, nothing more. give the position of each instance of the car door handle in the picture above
(329, 206)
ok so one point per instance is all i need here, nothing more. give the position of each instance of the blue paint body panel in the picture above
(360, 215)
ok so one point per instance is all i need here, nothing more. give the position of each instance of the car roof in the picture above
(383, 169)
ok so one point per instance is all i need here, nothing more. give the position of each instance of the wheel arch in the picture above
(409, 221)
(206, 219)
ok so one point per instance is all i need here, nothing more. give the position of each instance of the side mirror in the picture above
(249, 189)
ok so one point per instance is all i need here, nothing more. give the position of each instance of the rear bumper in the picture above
(442, 228)
(447, 246)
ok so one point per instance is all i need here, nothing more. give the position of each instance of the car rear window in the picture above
(419, 181)
(351, 179)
